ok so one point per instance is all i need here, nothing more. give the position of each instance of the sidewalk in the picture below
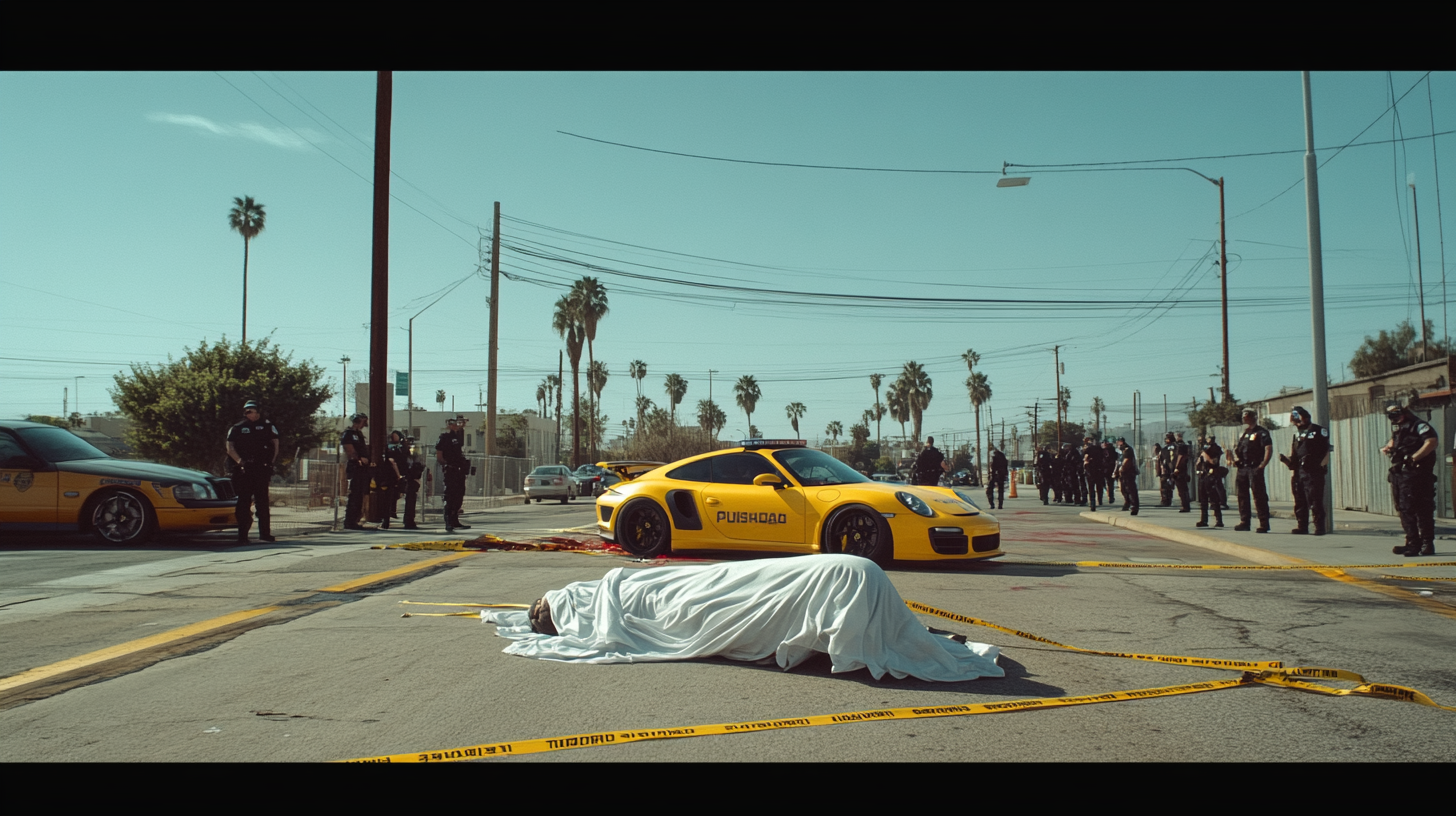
(297, 520)
(1359, 540)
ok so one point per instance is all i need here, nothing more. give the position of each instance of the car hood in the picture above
(131, 469)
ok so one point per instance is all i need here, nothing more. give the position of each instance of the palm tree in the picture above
(917, 392)
(1097, 408)
(596, 380)
(796, 412)
(978, 388)
(644, 405)
(440, 398)
(747, 394)
(898, 405)
(553, 389)
(711, 418)
(676, 388)
(834, 429)
(566, 321)
(637, 370)
(247, 218)
(591, 302)
(875, 380)
(1064, 402)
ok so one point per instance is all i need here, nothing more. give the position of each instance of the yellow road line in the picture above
(120, 650)
(350, 586)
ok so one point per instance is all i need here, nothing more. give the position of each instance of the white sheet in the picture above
(842, 605)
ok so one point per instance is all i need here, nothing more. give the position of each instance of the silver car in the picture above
(550, 482)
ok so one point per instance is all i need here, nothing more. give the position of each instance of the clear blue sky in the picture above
(115, 247)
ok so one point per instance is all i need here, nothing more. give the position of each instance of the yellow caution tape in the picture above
(1293, 678)
(1415, 578)
(1177, 660)
(1125, 565)
(452, 546)
(476, 605)
(536, 746)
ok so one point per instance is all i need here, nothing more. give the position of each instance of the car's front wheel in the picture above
(859, 530)
(120, 519)
(642, 529)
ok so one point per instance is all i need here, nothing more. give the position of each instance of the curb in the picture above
(1247, 553)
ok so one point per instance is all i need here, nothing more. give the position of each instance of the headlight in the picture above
(916, 504)
(193, 490)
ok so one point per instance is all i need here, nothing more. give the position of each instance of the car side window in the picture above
(740, 468)
(9, 449)
(699, 471)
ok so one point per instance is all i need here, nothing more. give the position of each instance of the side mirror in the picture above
(769, 479)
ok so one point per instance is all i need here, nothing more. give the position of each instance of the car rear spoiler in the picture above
(627, 471)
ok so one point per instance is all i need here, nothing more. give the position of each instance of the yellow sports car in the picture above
(51, 479)
(778, 495)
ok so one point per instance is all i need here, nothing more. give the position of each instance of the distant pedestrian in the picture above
(252, 449)
(1412, 452)
(1251, 456)
(929, 465)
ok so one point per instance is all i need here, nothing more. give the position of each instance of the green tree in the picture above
(711, 418)
(591, 301)
(1228, 412)
(747, 394)
(898, 405)
(440, 398)
(796, 411)
(1394, 349)
(875, 380)
(1097, 409)
(596, 380)
(676, 388)
(247, 217)
(59, 422)
(644, 404)
(181, 410)
(510, 435)
(834, 429)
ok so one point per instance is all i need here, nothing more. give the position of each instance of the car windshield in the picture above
(814, 468)
(59, 445)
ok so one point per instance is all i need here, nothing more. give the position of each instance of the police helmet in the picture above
(358, 416)
(1394, 411)
(1250, 412)
(252, 405)
(1298, 414)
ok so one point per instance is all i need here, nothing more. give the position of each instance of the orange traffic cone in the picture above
(1012, 494)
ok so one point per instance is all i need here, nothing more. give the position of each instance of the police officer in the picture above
(356, 451)
(1127, 473)
(1251, 456)
(1109, 468)
(252, 448)
(450, 453)
(1182, 462)
(410, 472)
(1046, 471)
(1210, 481)
(997, 482)
(1091, 472)
(1309, 457)
(929, 465)
(396, 474)
(1166, 457)
(1412, 452)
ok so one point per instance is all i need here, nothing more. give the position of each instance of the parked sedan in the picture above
(51, 479)
(550, 482)
(593, 480)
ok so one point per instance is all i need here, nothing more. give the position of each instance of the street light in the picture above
(1014, 181)
(344, 389)
(410, 377)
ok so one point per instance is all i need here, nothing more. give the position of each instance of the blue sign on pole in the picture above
(401, 383)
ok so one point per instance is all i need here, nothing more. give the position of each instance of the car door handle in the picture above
(712, 501)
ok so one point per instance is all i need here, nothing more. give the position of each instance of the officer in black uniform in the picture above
(391, 476)
(1046, 471)
(1309, 458)
(450, 453)
(252, 448)
(1251, 456)
(1166, 456)
(1127, 473)
(1091, 472)
(1109, 469)
(1182, 462)
(929, 465)
(356, 451)
(997, 482)
(1211, 472)
(408, 484)
(1412, 452)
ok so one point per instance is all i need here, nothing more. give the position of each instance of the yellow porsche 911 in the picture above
(778, 495)
(51, 479)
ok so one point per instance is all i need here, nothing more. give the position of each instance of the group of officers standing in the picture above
(252, 450)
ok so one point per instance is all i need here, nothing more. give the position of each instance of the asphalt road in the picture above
(343, 675)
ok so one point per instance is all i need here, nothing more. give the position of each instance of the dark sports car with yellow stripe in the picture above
(51, 479)
(779, 495)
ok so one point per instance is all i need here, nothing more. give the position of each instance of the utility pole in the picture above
(1223, 287)
(1317, 288)
(1057, 358)
(1165, 413)
(1420, 277)
(380, 399)
(560, 363)
(494, 332)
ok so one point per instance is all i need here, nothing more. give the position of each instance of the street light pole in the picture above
(1316, 287)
